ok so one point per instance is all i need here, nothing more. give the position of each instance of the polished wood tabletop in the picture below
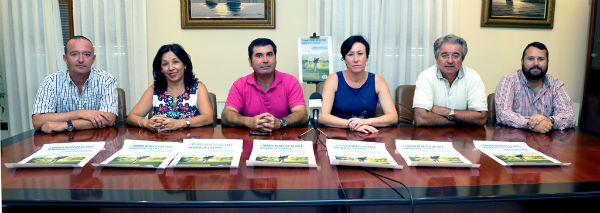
(325, 185)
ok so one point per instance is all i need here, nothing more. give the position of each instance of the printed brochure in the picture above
(359, 153)
(143, 154)
(515, 154)
(282, 153)
(75, 154)
(432, 154)
(209, 153)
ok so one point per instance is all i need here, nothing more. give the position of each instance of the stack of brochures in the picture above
(515, 154)
(432, 154)
(359, 153)
(282, 153)
(75, 154)
(209, 153)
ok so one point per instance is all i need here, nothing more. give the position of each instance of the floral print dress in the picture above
(184, 107)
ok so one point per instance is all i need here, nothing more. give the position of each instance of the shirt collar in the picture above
(93, 74)
(276, 80)
(438, 73)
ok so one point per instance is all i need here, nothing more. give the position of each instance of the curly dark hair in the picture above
(160, 81)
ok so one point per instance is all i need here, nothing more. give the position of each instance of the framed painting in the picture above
(228, 14)
(518, 13)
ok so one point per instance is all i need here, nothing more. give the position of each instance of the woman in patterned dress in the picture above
(177, 99)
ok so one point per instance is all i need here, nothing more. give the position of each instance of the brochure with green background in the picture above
(431, 154)
(143, 154)
(74, 154)
(209, 153)
(515, 154)
(359, 153)
(282, 153)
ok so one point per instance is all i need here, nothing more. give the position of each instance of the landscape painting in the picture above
(518, 13)
(227, 14)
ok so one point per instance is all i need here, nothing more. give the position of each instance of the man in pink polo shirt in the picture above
(267, 99)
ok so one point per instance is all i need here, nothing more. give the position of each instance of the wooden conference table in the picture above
(491, 188)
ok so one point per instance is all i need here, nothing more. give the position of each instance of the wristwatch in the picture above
(551, 119)
(283, 123)
(70, 126)
(187, 123)
(451, 116)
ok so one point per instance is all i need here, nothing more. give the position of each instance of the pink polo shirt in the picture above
(248, 98)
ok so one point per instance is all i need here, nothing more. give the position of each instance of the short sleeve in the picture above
(109, 101)
(477, 99)
(423, 97)
(234, 98)
(46, 97)
(295, 93)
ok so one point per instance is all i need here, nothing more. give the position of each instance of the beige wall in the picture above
(220, 56)
(493, 52)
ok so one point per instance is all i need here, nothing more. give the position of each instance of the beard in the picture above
(533, 76)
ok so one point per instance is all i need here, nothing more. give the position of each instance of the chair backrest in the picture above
(122, 107)
(491, 109)
(404, 102)
(378, 109)
(320, 87)
(213, 103)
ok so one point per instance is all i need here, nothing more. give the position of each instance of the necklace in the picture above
(179, 92)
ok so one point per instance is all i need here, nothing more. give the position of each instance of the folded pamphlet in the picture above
(208, 153)
(282, 153)
(515, 154)
(75, 154)
(432, 154)
(359, 153)
(143, 154)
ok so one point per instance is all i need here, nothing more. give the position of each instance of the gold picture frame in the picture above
(518, 13)
(232, 14)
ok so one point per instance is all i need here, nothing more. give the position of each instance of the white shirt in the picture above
(466, 93)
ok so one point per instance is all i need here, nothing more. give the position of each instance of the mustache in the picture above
(535, 67)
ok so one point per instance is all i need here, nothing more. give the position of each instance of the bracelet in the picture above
(139, 124)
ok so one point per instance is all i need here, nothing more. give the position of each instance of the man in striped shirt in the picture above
(79, 98)
(530, 99)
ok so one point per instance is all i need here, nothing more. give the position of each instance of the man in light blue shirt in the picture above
(448, 93)
(79, 98)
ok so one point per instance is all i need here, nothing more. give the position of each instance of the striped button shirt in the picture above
(515, 100)
(58, 93)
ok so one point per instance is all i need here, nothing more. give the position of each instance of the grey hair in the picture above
(450, 38)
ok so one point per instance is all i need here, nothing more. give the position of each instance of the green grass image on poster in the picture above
(309, 72)
(141, 161)
(205, 161)
(283, 159)
(436, 159)
(523, 158)
(56, 160)
(363, 159)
